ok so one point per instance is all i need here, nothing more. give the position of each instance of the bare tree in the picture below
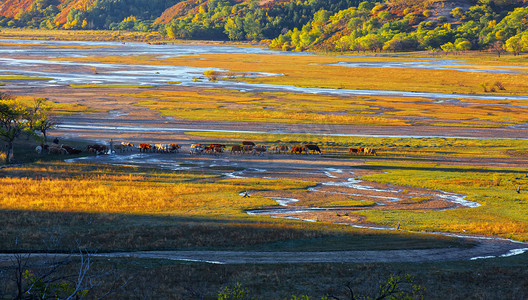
(498, 47)
(49, 276)
(395, 287)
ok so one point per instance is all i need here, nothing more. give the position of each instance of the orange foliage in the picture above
(179, 10)
(10, 8)
(75, 4)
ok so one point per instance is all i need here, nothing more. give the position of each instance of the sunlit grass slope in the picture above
(502, 211)
(59, 206)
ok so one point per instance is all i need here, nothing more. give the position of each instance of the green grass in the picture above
(502, 210)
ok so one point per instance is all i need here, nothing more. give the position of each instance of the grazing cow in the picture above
(145, 147)
(248, 143)
(353, 150)
(161, 148)
(218, 149)
(259, 150)
(298, 149)
(284, 148)
(274, 149)
(71, 150)
(119, 147)
(313, 148)
(247, 148)
(369, 151)
(127, 146)
(174, 148)
(279, 149)
(217, 145)
(196, 149)
(356, 151)
(97, 148)
(236, 149)
(57, 150)
(123, 147)
(208, 149)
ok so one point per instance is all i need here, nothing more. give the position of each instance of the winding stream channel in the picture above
(36, 59)
(330, 180)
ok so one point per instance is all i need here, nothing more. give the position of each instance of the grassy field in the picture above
(49, 205)
(484, 279)
(502, 210)
(292, 108)
(314, 72)
(154, 209)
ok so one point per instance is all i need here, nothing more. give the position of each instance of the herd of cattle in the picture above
(247, 147)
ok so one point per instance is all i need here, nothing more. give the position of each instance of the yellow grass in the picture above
(263, 107)
(311, 71)
(229, 105)
(131, 191)
(56, 107)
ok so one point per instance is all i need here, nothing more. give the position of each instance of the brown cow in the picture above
(248, 143)
(71, 150)
(196, 149)
(247, 148)
(174, 148)
(357, 151)
(145, 147)
(259, 150)
(369, 151)
(236, 149)
(354, 151)
(298, 149)
(56, 149)
(97, 148)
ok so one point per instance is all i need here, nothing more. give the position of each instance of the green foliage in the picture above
(396, 287)
(233, 293)
(343, 25)
(17, 118)
(42, 289)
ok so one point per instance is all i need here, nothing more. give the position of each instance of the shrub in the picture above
(500, 85)
(212, 74)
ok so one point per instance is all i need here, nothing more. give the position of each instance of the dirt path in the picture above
(484, 249)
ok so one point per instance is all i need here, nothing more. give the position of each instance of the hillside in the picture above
(341, 25)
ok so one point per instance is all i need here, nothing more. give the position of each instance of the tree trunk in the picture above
(9, 154)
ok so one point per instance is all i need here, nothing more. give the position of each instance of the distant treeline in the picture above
(341, 25)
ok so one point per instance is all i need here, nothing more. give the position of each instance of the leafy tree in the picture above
(40, 118)
(448, 47)
(13, 121)
(234, 28)
(462, 45)
(514, 44)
